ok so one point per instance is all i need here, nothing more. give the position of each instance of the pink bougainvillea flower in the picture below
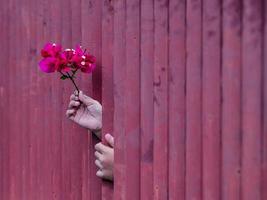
(62, 65)
(79, 51)
(51, 50)
(67, 62)
(68, 54)
(48, 64)
(88, 64)
(77, 57)
(88, 68)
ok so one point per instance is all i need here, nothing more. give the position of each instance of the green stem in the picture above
(70, 77)
(73, 82)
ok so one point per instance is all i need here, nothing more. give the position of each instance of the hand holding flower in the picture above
(86, 112)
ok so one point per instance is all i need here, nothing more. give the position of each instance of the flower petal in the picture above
(48, 65)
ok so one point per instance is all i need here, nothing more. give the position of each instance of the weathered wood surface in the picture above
(183, 85)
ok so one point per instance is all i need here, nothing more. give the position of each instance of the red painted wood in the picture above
(35, 109)
(161, 69)
(2, 87)
(264, 125)
(231, 105)
(176, 100)
(15, 140)
(183, 90)
(107, 81)
(251, 99)
(211, 110)
(132, 100)
(92, 39)
(119, 71)
(194, 44)
(3, 107)
(147, 97)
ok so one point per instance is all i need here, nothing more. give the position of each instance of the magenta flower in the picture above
(88, 64)
(48, 64)
(51, 50)
(66, 62)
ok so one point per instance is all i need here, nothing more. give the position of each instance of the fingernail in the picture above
(99, 173)
(107, 135)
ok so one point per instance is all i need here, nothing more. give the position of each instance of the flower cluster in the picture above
(54, 59)
(66, 62)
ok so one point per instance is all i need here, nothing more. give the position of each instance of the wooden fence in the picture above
(183, 85)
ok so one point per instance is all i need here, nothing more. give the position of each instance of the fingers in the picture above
(98, 164)
(74, 97)
(110, 139)
(100, 174)
(70, 113)
(73, 104)
(98, 155)
(88, 101)
(101, 147)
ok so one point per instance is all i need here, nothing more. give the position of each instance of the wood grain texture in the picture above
(251, 100)
(211, 99)
(176, 99)
(194, 80)
(183, 88)
(231, 105)
(146, 99)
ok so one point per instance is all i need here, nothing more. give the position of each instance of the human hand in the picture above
(86, 112)
(105, 158)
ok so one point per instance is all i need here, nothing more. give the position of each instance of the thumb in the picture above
(85, 99)
(110, 139)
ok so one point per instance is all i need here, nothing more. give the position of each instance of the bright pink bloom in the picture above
(88, 64)
(48, 64)
(63, 65)
(51, 50)
(88, 68)
(77, 57)
(69, 59)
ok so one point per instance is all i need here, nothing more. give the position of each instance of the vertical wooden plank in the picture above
(2, 35)
(211, 99)
(78, 135)
(132, 99)
(194, 100)
(4, 93)
(36, 114)
(23, 46)
(231, 104)
(15, 188)
(46, 148)
(160, 168)
(107, 81)
(3, 103)
(251, 99)
(34, 96)
(264, 125)
(91, 39)
(119, 63)
(57, 109)
(66, 90)
(91, 187)
(147, 97)
(176, 99)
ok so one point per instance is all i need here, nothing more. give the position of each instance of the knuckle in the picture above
(96, 162)
(101, 160)
(96, 146)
